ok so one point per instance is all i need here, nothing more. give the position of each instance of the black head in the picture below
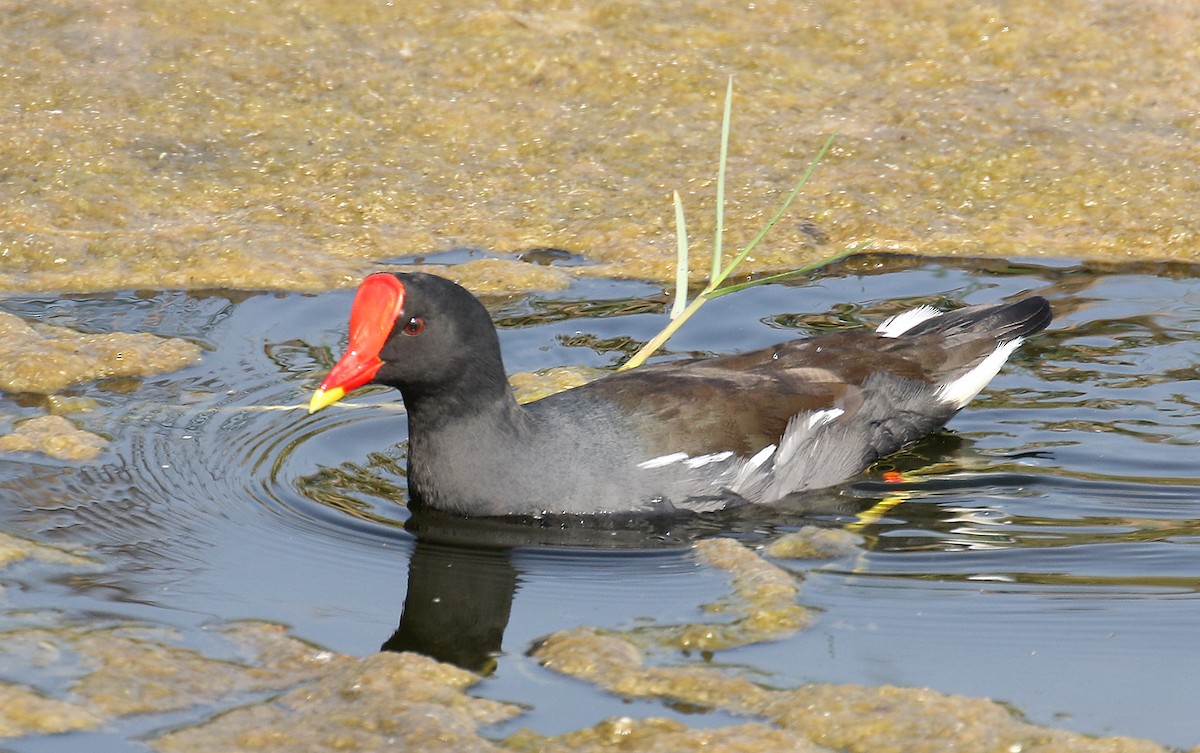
(422, 334)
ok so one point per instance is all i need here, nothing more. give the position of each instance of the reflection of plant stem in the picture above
(681, 310)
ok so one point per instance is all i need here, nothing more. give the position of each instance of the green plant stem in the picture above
(719, 234)
(681, 259)
(680, 312)
(725, 290)
(656, 342)
(741, 257)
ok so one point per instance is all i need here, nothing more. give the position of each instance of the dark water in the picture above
(1038, 551)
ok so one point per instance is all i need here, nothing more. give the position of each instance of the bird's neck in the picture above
(472, 394)
(454, 440)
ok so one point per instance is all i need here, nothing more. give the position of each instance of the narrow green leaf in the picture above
(726, 289)
(741, 257)
(680, 312)
(718, 248)
(681, 259)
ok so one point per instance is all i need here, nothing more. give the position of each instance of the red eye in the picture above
(414, 326)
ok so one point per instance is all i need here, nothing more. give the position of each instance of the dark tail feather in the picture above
(1005, 321)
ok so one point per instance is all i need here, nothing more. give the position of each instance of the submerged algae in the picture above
(664, 736)
(27, 713)
(44, 358)
(296, 697)
(17, 548)
(843, 717)
(54, 436)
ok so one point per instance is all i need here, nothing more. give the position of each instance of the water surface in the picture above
(1036, 552)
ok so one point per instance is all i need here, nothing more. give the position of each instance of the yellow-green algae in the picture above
(664, 736)
(54, 436)
(529, 386)
(384, 702)
(503, 276)
(287, 145)
(283, 694)
(316, 700)
(45, 358)
(26, 712)
(814, 542)
(843, 717)
(17, 548)
(761, 607)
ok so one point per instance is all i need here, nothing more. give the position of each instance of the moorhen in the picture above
(690, 436)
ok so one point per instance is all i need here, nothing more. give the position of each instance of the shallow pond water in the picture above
(1037, 552)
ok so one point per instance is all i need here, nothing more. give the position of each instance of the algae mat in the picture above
(286, 145)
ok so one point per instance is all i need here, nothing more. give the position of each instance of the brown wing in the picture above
(743, 402)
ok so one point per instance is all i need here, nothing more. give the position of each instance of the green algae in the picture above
(54, 436)
(813, 542)
(842, 717)
(290, 145)
(17, 548)
(663, 736)
(283, 693)
(44, 358)
(27, 712)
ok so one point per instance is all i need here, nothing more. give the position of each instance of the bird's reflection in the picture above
(457, 604)
(462, 578)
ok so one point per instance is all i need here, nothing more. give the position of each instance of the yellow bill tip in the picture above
(323, 398)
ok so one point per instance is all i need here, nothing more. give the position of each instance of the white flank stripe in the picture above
(897, 325)
(759, 458)
(964, 389)
(702, 460)
(663, 460)
(822, 417)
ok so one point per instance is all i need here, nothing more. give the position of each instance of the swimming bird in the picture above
(690, 436)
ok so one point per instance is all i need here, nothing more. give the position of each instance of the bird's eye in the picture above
(414, 326)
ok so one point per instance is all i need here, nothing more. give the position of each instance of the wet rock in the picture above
(54, 436)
